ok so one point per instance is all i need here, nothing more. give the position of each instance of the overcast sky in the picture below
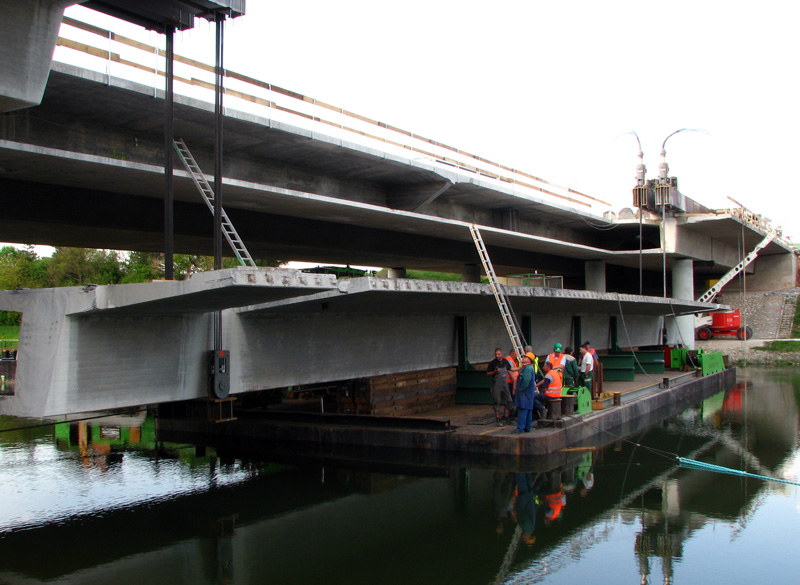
(553, 88)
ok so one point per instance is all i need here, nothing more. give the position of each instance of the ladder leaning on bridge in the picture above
(509, 319)
(709, 295)
(207, 192)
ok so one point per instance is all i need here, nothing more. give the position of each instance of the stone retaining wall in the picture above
(762, 310)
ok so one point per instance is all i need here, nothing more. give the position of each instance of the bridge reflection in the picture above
(242, 519)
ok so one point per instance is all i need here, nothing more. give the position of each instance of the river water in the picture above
(106, 502)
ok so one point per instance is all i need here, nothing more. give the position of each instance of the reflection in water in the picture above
(108, 502)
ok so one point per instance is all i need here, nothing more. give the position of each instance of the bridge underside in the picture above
(105, 347)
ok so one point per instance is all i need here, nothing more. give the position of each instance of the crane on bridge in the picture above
(729, 323)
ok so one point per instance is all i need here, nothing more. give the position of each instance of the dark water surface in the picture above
(99, 503)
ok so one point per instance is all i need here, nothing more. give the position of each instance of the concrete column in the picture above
(683, 288)
(471, 273)
(595, 271)
(29, 31)
(396, 273)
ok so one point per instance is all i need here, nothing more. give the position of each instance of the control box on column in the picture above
(219, 373)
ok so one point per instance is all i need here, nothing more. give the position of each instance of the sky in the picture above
(552, 88)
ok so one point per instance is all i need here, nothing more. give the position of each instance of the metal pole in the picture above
(218, 91)
(169, 136)
(641, 213)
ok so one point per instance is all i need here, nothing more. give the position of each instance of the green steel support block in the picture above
(712, 363)
(473, 396)
(473, 387)
(617, 367)
(583, 398)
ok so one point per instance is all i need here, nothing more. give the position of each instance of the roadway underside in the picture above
(461, 435)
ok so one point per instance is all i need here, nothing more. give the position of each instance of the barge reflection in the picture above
(196, 514)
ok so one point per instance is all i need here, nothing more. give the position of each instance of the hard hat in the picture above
(530, 355)
(557, 347)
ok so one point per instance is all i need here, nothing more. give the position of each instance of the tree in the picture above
(79, 266)
(143, 267)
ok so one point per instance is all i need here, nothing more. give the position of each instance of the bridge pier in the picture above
(595, 271)
(29, 31)
(683, 288)
(471, 273)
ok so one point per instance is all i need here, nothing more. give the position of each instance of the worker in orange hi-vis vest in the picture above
(557, 358)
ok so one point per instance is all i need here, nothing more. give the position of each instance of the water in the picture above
(102, 504)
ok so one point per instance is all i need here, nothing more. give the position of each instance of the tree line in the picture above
(24, 268)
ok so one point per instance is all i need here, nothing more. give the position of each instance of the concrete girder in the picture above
(111, 347)
(29, 31)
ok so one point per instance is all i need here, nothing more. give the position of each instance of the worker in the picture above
(536, 368)
(557, 358)
(551, 384)
(513, 371)
(525, 399)
(590, 349)
(570, 367)
(587, 367)
(501, 397)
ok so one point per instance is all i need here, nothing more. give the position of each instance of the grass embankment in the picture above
(8, 332)
(781, 346)
(796, 326)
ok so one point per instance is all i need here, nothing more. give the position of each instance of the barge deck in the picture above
(452, 436)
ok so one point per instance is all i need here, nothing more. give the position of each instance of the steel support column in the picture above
(169, 137)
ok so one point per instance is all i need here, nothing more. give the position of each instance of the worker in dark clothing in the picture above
(501, 397)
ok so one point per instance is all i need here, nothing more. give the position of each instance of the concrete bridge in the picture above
(85, 167)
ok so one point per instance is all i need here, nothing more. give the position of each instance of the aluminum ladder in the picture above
(510, 321)
(236, 243)
(709, 295)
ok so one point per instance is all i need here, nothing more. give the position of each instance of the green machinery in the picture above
(583, 399)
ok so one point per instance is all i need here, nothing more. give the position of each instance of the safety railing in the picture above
(115, 55)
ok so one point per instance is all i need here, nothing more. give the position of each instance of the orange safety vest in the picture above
(554, 389)
(557, 362)
(556, 503)
(511, 375)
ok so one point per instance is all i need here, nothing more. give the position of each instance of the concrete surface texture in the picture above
(104, 347)
(28, 31)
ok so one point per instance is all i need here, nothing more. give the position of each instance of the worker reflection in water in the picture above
(503, 496)
(498, 369)
(555, 499)
(528, 488)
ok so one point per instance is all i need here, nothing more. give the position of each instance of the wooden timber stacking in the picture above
(400, 394)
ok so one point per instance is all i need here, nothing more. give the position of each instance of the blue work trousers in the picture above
(524, 419)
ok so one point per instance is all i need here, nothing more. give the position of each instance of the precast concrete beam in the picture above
(107, 347)
(381, 295)
(29, 31)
